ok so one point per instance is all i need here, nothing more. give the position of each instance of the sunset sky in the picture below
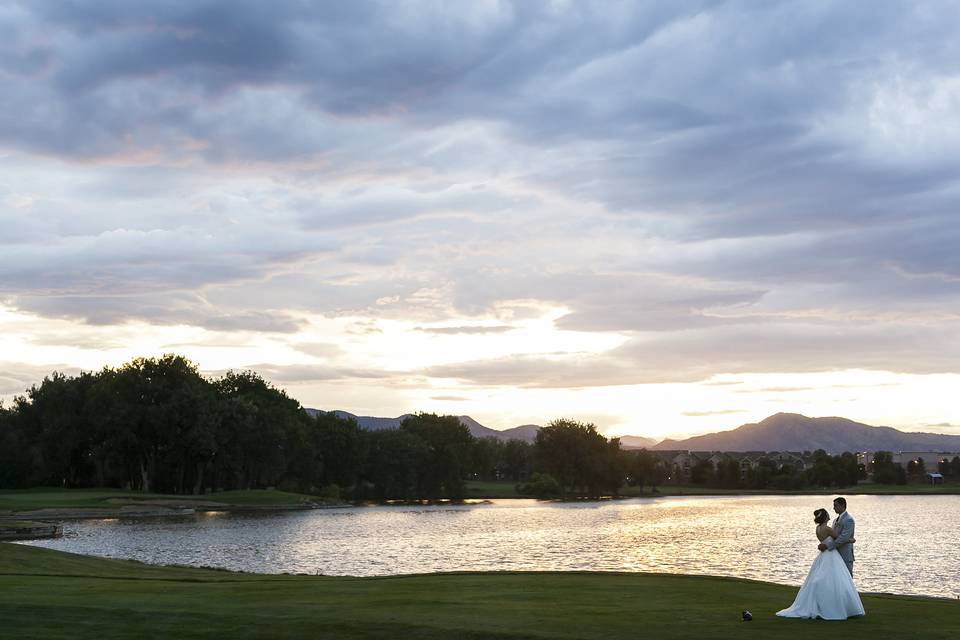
(664, 218)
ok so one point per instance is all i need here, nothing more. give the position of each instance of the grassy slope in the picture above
(492, 489)
(48, 594)
(29, 499)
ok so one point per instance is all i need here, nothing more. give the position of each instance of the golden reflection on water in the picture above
(905, 544)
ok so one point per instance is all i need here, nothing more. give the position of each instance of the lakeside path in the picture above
(51, 594)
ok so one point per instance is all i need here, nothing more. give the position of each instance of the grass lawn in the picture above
(493, 489)
(52, 498)
(49, 594)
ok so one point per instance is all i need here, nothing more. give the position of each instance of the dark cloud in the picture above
(172, 309)
(698, 355)
(780, 196)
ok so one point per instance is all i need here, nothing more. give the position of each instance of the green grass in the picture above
(49, 594)
(51, 498)
(493, 489)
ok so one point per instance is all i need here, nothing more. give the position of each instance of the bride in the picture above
(828, 592)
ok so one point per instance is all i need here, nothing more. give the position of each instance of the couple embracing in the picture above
(829, 592)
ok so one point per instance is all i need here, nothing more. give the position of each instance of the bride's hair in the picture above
(820, 516)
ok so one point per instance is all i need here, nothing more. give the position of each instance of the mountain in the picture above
(795, 432)
(367, 422)
(636, 442)
(526, 432)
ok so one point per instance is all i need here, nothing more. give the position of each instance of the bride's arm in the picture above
(843, 536)
(833, 534)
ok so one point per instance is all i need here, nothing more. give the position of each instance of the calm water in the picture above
(905, 544)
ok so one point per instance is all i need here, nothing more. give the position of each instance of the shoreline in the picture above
(120, 506)
(104, 504)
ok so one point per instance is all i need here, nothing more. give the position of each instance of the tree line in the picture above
(827, 471)
(158, 425)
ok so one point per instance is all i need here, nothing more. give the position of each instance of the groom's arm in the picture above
(844, 536)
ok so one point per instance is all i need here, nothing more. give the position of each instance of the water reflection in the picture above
(906, 544)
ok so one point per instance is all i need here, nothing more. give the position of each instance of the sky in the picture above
(662, 218)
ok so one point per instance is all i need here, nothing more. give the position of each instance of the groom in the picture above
(844, 526)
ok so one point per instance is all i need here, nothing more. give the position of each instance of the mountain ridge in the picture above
(779, 432)
(797, 432)
(524, 432)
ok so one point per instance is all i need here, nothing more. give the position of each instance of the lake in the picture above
(905, 544)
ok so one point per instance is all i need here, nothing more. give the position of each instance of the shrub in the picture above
(541, 485)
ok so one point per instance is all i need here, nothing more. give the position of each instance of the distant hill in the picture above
(636, 442)
(795, 432)
(526, 432)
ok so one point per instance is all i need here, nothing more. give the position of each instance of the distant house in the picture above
(666, 458)
(718, 458)
(931, 459)
(795, 460)
(682, 463)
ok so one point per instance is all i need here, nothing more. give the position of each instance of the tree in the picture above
(542, 486)
(728, 474)
(517, 460)
(341, 448)
(916, 467)
(486, 458)
(823, 472)
(846, 470)
(702, 472)
(394, 456)
(265, 433)
(580, 459)
(645, 469)
(886, 471)
(448, 445)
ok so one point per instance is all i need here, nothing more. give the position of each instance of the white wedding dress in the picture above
(828, 592)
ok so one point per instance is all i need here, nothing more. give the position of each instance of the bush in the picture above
(542, 486)
(330, 492)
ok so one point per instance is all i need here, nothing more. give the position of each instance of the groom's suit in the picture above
(844, 527)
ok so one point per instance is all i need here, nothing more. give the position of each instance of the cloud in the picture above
(727, 200)
(720, 412)
(305, 373)
(943, 425)
(17, 377)
(698, 355)
(466, 329)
